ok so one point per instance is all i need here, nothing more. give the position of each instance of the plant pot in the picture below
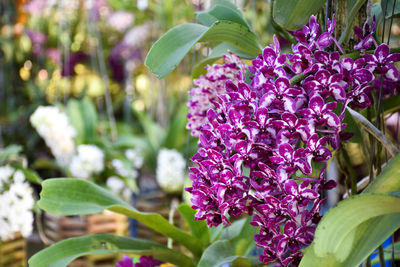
(13, 252)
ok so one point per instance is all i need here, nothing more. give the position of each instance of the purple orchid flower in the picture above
(280, 94)
(354, 73)
(321, 112)
(365, 35)
(326, 38)
(317, 150)
(309, 33)
(125, 262)
(291, 160)
(148, 261)
(380, 62)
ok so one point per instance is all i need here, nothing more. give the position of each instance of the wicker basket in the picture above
(13, 252)
(57, 228)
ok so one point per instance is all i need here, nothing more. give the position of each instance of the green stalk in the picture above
(351, 171)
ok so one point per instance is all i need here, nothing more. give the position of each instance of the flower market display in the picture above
(200, 133)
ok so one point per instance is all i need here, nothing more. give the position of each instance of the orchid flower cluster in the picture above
(54, 127)
(170, 172)
(16, 204)
(260, 144)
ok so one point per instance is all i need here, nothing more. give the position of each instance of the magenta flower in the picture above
(380, 62)
(317, 150)
(125, 262)
(280, 94)
(147, 261)
(365, 35)
(309, 33)
(258, 142)
(326, 38)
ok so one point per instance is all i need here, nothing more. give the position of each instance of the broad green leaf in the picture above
(170, 49)
(199, 229)
(219, 253)
(89, 117)
(219, 12)
(348, 215)
(345, 235)
(67, 196)
(232, 231)
(75, 118)
(370, 234)
(216, 53)
(388, 180)
(244, 243)
(388, 255)
(63, 252)
(292, 14)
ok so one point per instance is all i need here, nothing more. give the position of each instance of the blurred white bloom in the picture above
(136, 156)
(170, 170)
(142, 4)
(137, 36)
(5, 175)
(15, 204)
(119, 188)
(121, 20)
(53, 126)
(89, 160)
(122, 169)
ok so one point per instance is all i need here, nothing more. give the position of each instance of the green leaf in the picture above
(233, 231)
(219, 253)
(31, 175)
(216, 53)
(292, 14)
(244, 242)
(388, 180)
(170, 49)
(388, 255)
(67, 196)
(76, 119)
(348, 233)
(348, 215)
(198, 228)
(62, 253)
(89, 117)
(220, 12)
(10, 150)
